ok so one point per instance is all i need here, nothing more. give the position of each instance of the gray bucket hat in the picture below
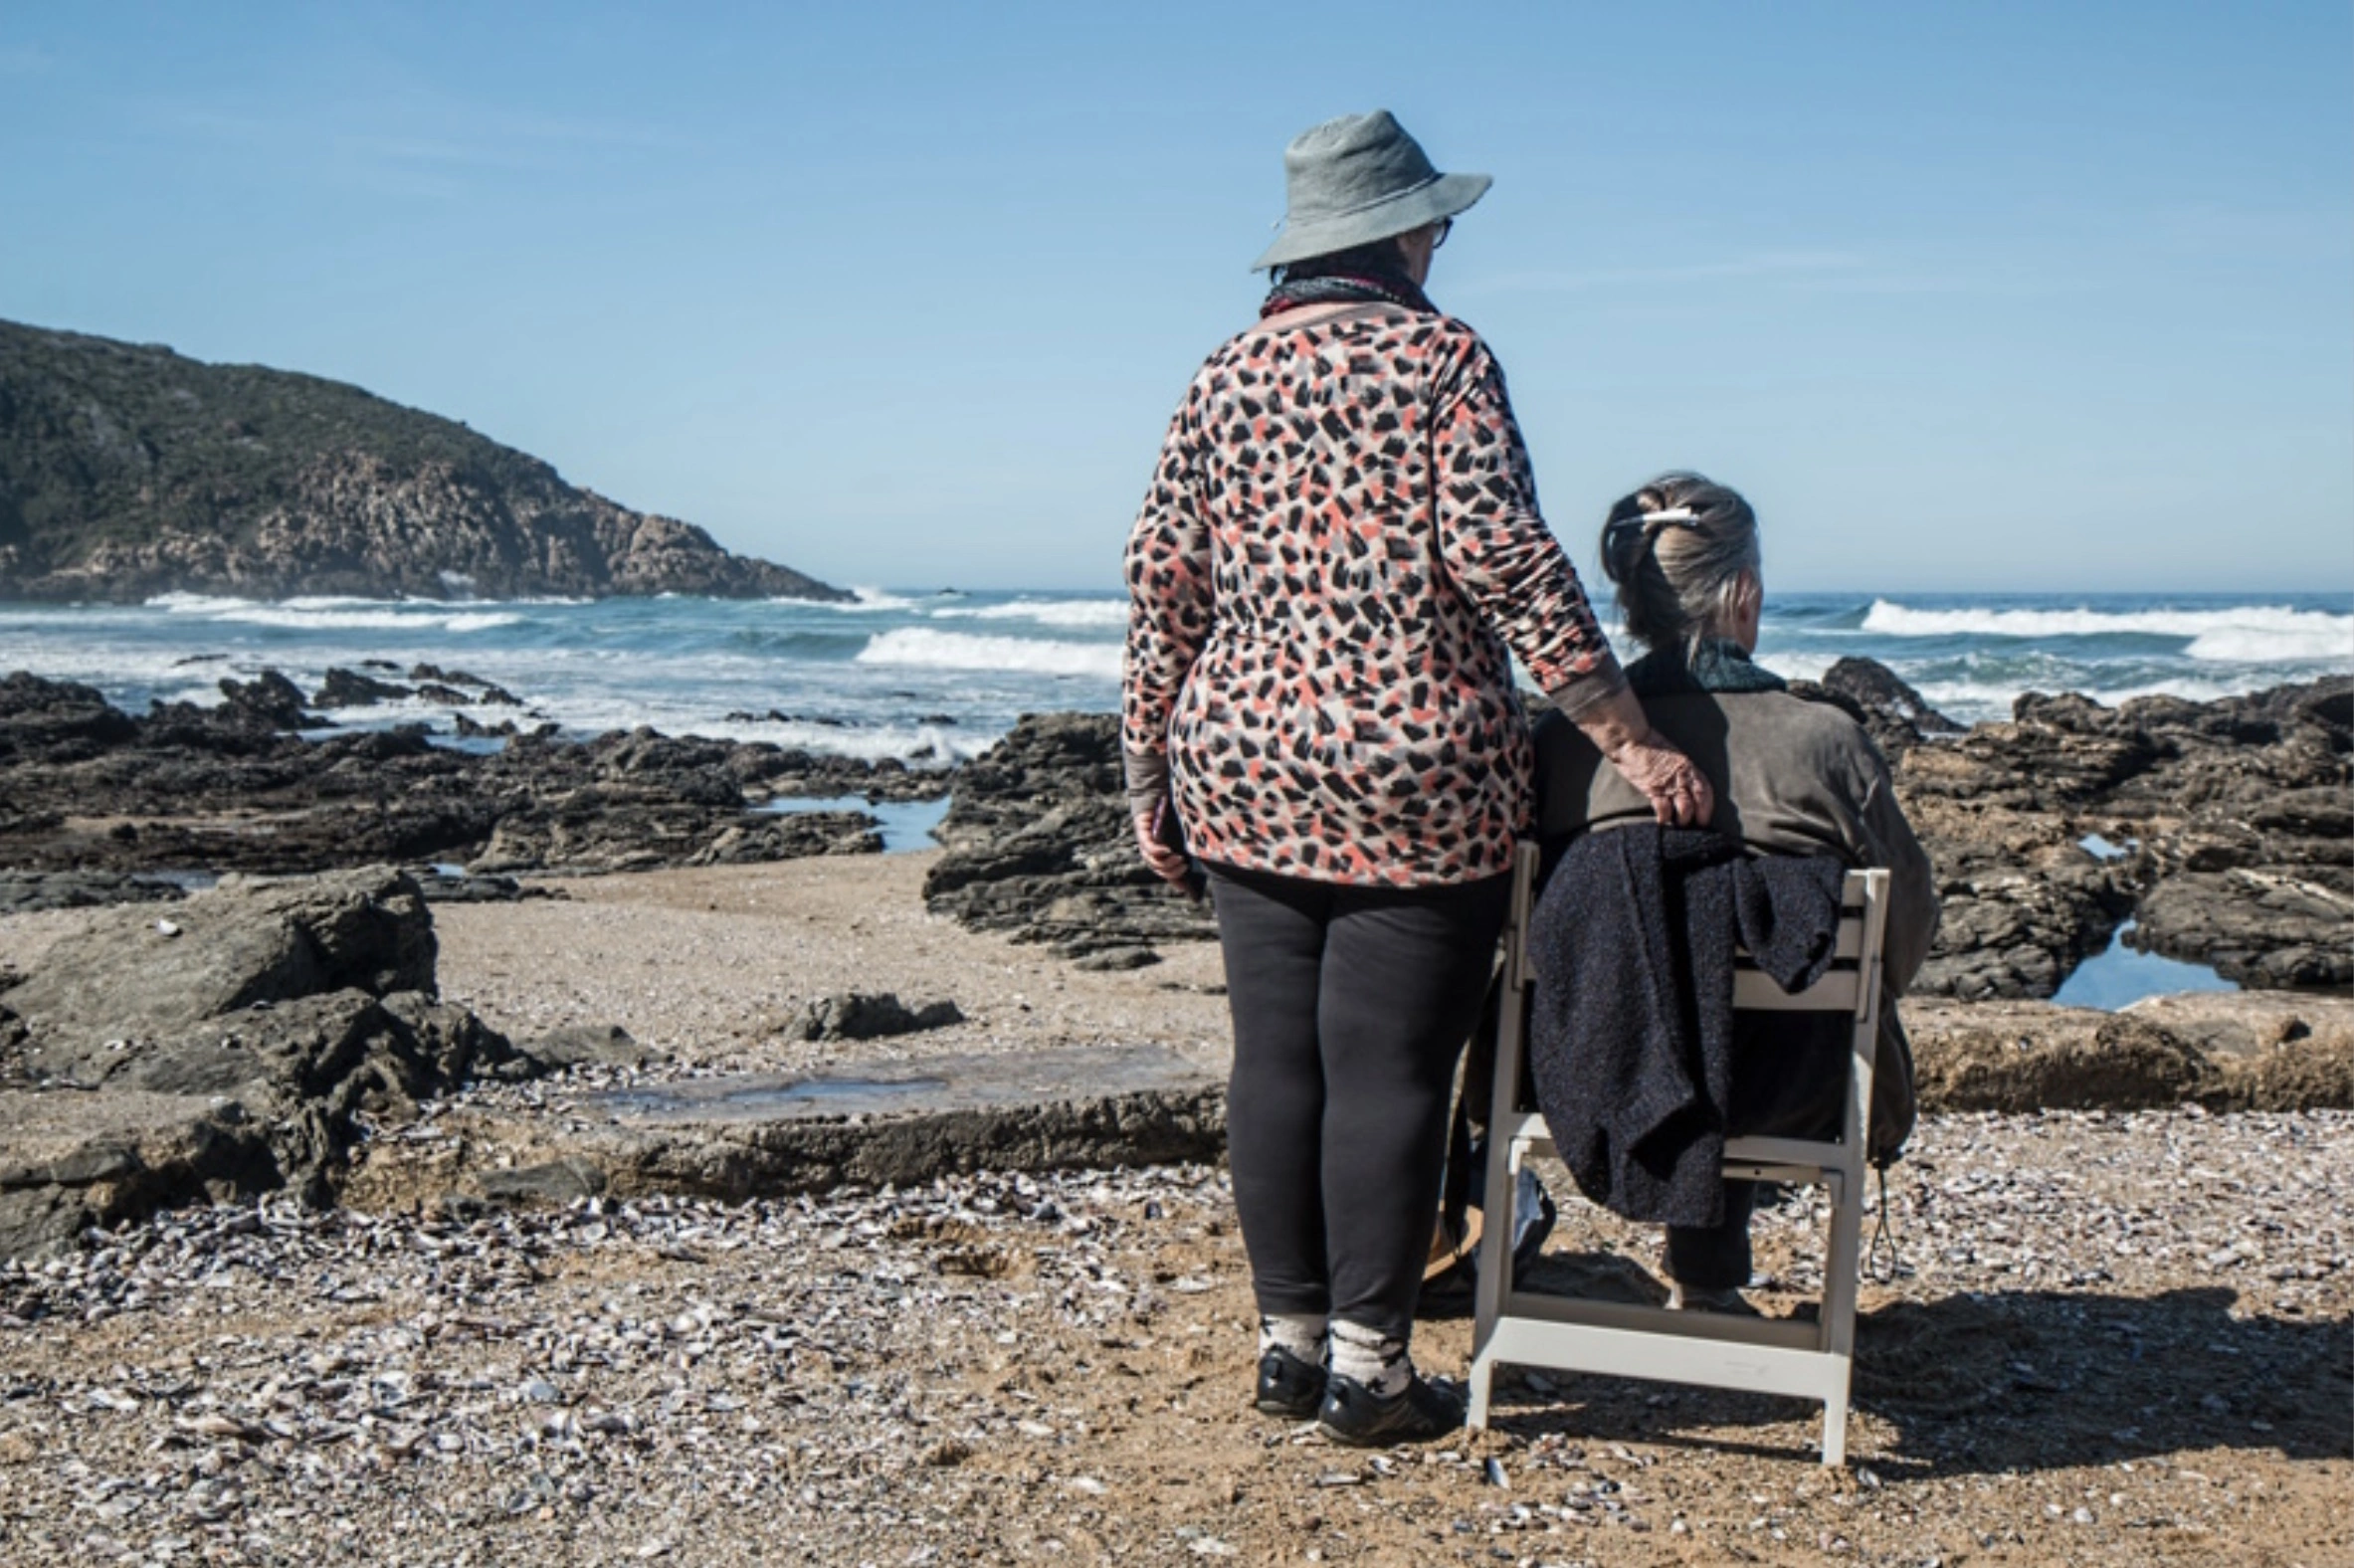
(1357, 179)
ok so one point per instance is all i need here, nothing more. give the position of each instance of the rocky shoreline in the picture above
(93, 792)
(2217, 834)
(2232, 824)
(377, 1214)
(278, 1030)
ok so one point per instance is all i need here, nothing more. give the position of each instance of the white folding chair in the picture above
(1809, 1360)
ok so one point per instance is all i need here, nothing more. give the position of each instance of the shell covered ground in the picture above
(2115, 1338)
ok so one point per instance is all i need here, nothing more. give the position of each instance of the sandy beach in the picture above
(712, 965)
(2120, 1339)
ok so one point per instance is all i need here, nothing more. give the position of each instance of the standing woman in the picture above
(1340, 540)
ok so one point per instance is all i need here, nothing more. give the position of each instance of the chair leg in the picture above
(1840, 1269)
(1497, 1222)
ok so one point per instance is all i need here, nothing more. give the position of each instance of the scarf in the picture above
(1717, 664)
(1355, 287)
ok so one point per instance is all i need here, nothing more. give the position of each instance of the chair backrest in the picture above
(1851, 986)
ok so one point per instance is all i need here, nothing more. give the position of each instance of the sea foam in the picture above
(2243, 634)
(338, 614)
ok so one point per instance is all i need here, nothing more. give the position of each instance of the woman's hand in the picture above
(1169, 865)
(1679, 793)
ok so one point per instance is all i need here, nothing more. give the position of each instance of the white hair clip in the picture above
(1675, 515)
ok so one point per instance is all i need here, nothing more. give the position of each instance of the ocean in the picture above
(939, 676)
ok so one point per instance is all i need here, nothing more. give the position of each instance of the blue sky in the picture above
(1965, 297)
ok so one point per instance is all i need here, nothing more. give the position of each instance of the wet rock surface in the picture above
(87, 788)
(744, 1135)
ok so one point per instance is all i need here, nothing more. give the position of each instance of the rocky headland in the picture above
(128, 470)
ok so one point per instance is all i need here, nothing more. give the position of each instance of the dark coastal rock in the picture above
(1040, 846)
(129, 975)
(604, 829)
(442, 886)
(434, 678)
(224, 788)
(267, 702)
(24, 893)
(135, 472)
(2021, 904)
(1894, 714)
(350, 688)
(2262, 928)
(57, 721)
(861, 1015)
(1114, 960)
(2240, 813)
(228, 1048)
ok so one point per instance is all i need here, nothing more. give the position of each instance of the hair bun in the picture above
(1622, 540)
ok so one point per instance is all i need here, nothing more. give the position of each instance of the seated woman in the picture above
(1793, 776)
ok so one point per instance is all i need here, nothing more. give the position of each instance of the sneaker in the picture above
(1288, 1386)
(1353, 1414)
(1696, 1299)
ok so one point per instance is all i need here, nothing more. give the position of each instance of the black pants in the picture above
(1790, 1081)
(1350, 1006)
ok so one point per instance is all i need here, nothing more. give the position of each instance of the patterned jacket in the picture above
(1342, 522)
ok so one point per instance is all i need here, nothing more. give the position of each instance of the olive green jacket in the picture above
(1792, 777)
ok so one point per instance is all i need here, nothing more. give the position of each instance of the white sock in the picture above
(1301, 1333)
(1372, 1358)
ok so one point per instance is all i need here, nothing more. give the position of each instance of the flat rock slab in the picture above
(926, 1087)
(764, 1135)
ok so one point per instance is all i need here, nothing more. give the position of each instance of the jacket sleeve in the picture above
(1169, 599)
(1888, 841)
(1495, 543)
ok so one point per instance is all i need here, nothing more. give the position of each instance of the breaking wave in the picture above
(2241, 634)
(923, 648)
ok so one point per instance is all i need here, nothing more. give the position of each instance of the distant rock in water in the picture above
(126, 471)
(1894, 714)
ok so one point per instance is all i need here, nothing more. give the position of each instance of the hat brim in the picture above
(1443, 197)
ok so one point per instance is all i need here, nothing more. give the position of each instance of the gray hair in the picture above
(1676, 548)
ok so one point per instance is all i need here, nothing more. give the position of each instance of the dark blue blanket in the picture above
(1631, 1035)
